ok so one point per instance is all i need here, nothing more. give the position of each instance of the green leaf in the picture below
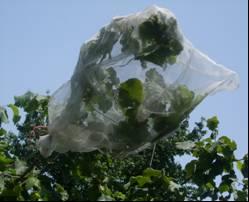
(4, 160)
(244, 168)
(11, 194)
(20, 167)
(63, 193)
(210, 186)
(23, 100)
(2, 131)
(171, 60)
(224, 188)
(190, 168)
(105, 198)
(105, 104)
(119, 195)
(150, 172)
(226, 142)
(133, 89)
(3, 146)
(183, 99)
(41, 97)
(212, 123)
(241, 196)
(187, 145)
(11, 171)
(160, 41)
(239, 165)
(141, 180)
(166, 180)
(2, 184)
(130, 96)
(3, 115)
(105, 190)
(15, 110)
(112, 75)
(152, 76)
(129, 43)
(174, 186)
(32, 182)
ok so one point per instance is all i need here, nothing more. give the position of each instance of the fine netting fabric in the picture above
(135, 81)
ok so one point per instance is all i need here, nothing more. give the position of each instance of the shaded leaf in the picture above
(2, 184)
(241, 196)
(15, 110)
(23, 100)
(130, 96)
(3, 115)
(3, 146)
(4, 160)
(244, 168)
(190, 168)
(153, 76)
(2, 131)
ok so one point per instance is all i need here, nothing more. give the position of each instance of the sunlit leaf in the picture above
(20, 167)
(224, 188)
(130, 93)
(174, 186)
(63, 193)
(141, 180)
(187, 145)
(150, 172)
(212, 123)
(32, 182)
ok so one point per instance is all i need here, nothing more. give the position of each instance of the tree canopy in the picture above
(212, 171)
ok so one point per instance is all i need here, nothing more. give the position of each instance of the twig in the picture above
(126, 63)
(9, 175)
(153, 153)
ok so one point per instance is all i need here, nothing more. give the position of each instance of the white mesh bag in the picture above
(135, 81)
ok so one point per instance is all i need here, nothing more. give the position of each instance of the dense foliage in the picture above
(212, 172)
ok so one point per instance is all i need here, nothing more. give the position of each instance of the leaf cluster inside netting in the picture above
(134, 83)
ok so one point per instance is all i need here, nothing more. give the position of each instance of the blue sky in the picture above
(40, 42)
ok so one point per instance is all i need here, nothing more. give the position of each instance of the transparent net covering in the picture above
(134, 83)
